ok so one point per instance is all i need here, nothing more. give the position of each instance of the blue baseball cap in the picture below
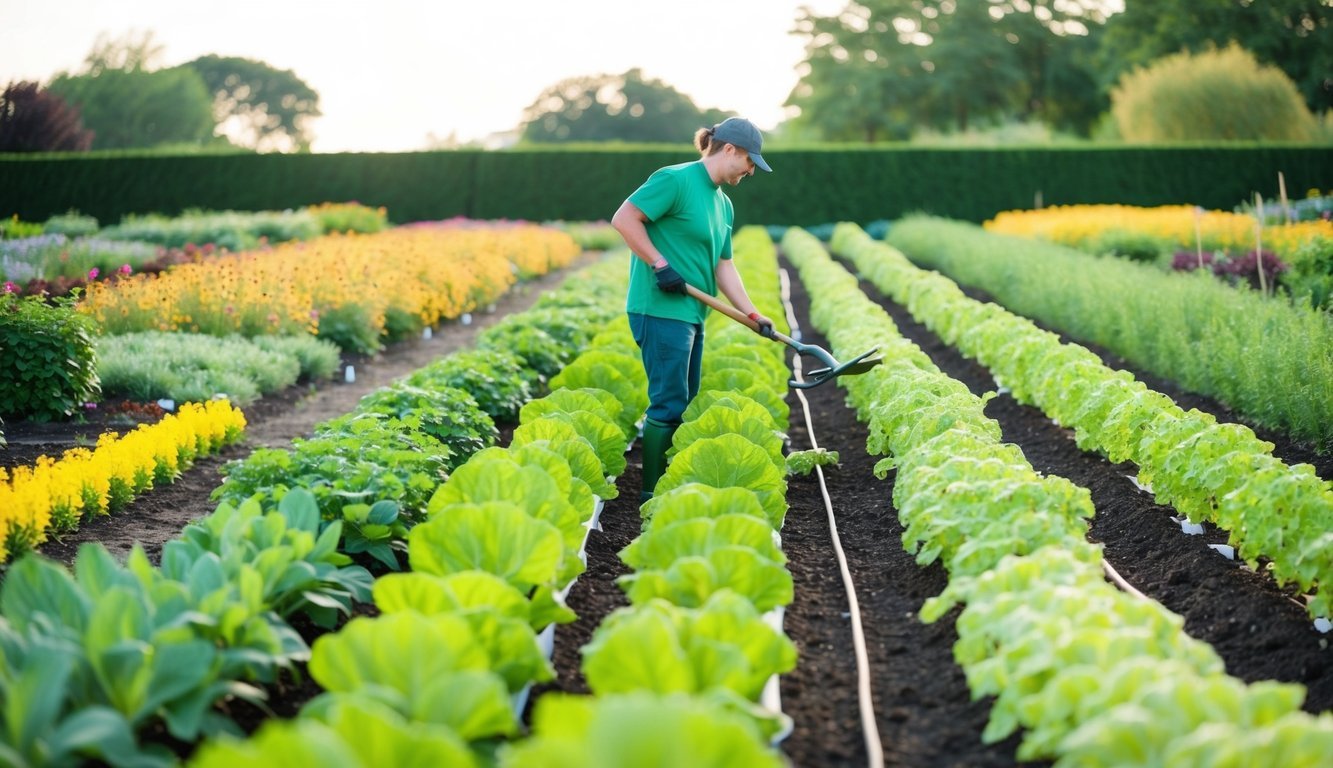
(742, 133)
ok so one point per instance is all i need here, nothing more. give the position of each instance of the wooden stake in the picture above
(1259, 242)
(1198, 235)
(1282, 195)
(1036, 200)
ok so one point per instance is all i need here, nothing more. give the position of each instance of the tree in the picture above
(131, 53)
(36, 120)
(623, 107)
(132, 108)
(883, 67)
(1210, 96)
(1296, 36)
(257, 105)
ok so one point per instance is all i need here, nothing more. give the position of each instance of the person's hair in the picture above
(703, 141)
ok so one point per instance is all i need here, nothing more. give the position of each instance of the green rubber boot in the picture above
(656, 440)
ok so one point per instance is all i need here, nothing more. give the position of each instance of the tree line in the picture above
(879, 70)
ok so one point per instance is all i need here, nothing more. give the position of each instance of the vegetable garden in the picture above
(334, 491)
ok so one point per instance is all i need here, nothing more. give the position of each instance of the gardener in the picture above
(678, 225)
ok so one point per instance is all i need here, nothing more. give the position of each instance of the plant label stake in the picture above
(1198, 235)
(1259, 242)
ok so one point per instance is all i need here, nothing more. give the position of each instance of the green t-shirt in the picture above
(689, 220)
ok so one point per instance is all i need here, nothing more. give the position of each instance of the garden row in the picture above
(1218, 472)
(1287, 245)
(1092, 675)
(1270, 361)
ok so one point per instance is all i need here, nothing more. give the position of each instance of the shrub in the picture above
(72, 224)
(349, 217)
(317, 358)
(50, 367)
(1214, 95)
(1129, 244)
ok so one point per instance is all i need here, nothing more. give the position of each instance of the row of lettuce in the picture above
(97, 659)
(1093, 676)
(680, 671)
(1206, 470)
(1270, 361)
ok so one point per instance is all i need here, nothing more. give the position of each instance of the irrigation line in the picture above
(874, 748)
(1120, 581)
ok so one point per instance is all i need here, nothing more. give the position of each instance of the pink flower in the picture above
(125, 269)
(10, 287)
(93, 273)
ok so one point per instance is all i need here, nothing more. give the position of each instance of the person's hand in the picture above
(669, 280)
(764, 326)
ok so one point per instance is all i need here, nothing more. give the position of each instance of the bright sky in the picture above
(391, 72)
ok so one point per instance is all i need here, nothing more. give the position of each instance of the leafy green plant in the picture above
(351, 731)
(356, 459)
(637, 729)
(495, 379)
(94, 658)
(452, 679)
(494, 476)
(539, 350)
(448, 414)
(295, 554)
(804, 462)
(562, 437)
(51, 359)
(722, 649)
(730, 461)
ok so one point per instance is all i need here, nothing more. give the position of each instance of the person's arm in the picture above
(730, 284)
(629, 222)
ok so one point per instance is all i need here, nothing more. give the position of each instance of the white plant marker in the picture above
(349, 374)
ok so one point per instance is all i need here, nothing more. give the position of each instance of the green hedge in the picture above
(809, 186)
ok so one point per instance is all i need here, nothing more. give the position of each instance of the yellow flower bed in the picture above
(427, 273)
(56, 494)
(1079, 225)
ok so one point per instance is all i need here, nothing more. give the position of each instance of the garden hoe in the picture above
(832, 368)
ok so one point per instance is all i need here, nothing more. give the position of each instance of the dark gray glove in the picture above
(669, 280)
(765, 326)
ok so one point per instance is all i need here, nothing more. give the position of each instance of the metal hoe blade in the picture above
(858, 365)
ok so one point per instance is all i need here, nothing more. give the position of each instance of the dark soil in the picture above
(923, 711)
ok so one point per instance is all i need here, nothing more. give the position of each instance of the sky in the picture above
(393, 73)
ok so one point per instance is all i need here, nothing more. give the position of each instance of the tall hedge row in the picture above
(808, 186)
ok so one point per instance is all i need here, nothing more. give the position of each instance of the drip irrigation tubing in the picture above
(874, 748)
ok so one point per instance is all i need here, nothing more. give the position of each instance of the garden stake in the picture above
(832, 368)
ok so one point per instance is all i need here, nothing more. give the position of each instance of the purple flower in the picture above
(10, 287)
